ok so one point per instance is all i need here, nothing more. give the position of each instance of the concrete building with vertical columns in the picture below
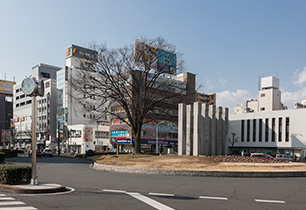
(202, 129)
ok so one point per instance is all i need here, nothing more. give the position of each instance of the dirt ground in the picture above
(201, 163)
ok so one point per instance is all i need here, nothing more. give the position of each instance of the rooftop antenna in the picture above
(259, 82)
(13, 78)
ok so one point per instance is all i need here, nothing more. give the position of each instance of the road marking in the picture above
(269, 201)
(162, 194)
(213, 198)
(114, 191)
(7, 203)
(18, 208)
(6, 198)
(150, 201)
(2, 195)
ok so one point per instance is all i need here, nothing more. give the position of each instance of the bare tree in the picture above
(233, 140)
(134, 79)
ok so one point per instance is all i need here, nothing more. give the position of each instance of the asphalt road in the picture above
(105, 190)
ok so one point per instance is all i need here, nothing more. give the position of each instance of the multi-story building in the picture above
(6, 113)
(269, 98)
(209, 98)
(71, 112)
(266, 126)
(46, 109)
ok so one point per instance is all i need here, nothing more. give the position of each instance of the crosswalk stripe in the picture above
(7, 203)
(150, 201)
(6, 198)
(18, 208)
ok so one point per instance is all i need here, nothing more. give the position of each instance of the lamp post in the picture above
(156, 132)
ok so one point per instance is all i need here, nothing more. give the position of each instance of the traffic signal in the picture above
(12, 123)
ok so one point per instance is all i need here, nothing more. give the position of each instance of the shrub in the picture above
(15, 174)
(2, 157)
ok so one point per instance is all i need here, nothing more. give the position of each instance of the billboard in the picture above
(81, 52)
(162, 60)
(6, 86)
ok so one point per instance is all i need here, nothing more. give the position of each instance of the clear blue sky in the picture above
(228, 44)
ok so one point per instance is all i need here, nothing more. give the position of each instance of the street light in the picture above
(156, 149)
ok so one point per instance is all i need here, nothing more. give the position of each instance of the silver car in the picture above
(284, 158)
(47, 152)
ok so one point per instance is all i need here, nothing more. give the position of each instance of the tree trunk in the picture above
(138, 142)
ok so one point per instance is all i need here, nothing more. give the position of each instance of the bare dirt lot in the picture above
(201, 163)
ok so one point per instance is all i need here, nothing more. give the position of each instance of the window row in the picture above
(268, 130)
(24, 103)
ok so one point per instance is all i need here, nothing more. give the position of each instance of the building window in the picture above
(280, 129)
(242, 130)
(22, 96)
(17, 90)
(273, 130)
(262, 95)
(262, 109)
(248, 130)
(45, 75)
(267, 131)
(287, 128)
(254, 130)
(84, 115)
(17, 105)
(260, 131)
(22, 104)
(47, 84)
(17, 98)
(29, 102)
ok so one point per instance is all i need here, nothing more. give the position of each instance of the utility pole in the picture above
(59, 137)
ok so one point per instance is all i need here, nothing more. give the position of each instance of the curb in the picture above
(167, 172)
(27, 189)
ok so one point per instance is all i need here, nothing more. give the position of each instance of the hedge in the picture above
(2, 157)
(15, 174)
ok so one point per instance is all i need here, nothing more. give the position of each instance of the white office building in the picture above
(46, 109)
(73, 114)
(265, 126)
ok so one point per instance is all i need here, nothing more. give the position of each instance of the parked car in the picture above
(38, 153)
(47, 152)
(263, 156)
(284, 158)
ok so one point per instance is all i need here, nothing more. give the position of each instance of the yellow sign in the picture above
(6, 86)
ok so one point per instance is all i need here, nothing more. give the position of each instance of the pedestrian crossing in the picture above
(10, 203)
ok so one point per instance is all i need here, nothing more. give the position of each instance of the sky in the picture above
(228, 44)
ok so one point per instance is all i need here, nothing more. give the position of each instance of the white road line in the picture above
(114, 191)
(162, 194)
(213, 198)
(6, 198)
(269, 201)
(18, 208)
(150, 201)
(7, 203)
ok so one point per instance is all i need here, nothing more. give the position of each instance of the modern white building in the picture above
(273, 132)
(269, 98)
(265, 125)
(71, 112)
(46, 109)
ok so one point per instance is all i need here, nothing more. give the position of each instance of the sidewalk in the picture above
(33, 189)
